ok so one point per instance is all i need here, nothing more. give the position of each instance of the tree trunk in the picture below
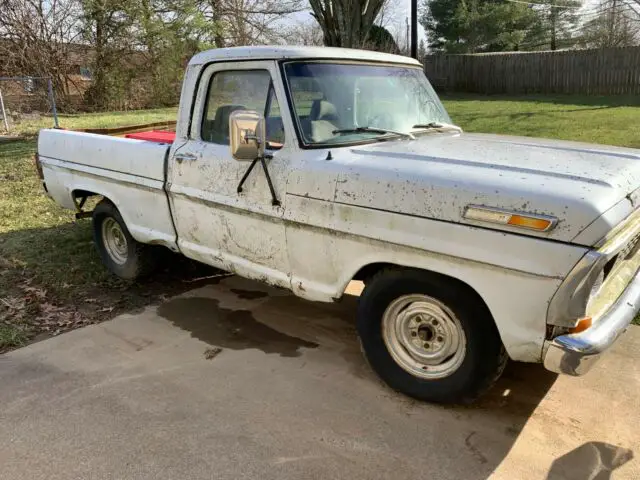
(216, 18)
(98, 92)
(611, 30)
(346, 23)
(554, 28)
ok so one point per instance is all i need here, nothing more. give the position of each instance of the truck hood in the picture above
(438, 175)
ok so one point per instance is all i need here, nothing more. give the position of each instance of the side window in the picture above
(240, 90)
(273, 119)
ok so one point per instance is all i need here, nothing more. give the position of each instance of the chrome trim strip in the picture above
(576, 353)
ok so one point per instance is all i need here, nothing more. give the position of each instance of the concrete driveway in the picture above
(237, 380)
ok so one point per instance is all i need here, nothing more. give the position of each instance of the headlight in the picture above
(595, 289)
(571, 301)
(611, 267)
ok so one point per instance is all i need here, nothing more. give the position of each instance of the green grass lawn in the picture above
(34, 231)
(51, 278)
(96, 120)
(607, 120)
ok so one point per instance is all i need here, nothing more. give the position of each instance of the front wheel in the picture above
(429, 337)
(119, 251)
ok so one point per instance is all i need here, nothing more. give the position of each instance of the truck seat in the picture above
(323, 120)
(217, 130)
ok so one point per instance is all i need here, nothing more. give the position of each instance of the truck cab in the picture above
(307, 168)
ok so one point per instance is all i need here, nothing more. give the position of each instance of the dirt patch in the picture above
(36, 310)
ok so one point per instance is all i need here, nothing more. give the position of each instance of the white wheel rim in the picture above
(423, 336)
(114, 240)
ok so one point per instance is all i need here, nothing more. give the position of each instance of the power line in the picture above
(621, 6)
(616, 6)
(544, 4)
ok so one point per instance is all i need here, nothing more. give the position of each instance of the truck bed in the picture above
(126, 155)
(128, 172)
(158, 136)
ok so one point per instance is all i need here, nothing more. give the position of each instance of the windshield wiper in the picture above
(437, 125)
(373, 130)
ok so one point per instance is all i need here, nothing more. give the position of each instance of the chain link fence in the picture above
(26, 101)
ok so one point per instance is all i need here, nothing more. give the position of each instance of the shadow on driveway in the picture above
(591, 460)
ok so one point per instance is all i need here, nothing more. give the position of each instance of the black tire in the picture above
(484, 354)
(137, 260)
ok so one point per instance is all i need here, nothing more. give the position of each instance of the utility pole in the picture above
(414, 28)
(406, 36)
(4, 113)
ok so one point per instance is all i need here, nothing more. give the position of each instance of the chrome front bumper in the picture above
(576, 353)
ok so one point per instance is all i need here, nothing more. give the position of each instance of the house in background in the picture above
(27, 92)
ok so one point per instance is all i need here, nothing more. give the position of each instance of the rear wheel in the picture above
(119, 251)
(114, 241)
(429, 337)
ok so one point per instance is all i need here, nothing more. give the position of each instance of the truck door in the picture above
(239, 232)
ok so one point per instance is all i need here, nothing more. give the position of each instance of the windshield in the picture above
(331, 101)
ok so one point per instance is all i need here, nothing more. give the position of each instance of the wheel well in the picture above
(368, 271)
(80, 198)
(84, 194)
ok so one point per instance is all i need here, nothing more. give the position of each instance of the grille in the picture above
(627, 252)
(630, 249)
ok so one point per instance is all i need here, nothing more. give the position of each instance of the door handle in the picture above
(181, 157)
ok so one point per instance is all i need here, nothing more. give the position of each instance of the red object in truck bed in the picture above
(159, 136)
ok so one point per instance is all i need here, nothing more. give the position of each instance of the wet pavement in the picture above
(226, 328)
(239, 380)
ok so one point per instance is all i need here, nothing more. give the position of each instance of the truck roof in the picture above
(277, 52)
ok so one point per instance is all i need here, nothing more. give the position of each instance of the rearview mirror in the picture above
(246, 134)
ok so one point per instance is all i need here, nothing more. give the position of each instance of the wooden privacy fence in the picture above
(604, 71)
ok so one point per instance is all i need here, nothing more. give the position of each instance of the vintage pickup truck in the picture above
(473, 248)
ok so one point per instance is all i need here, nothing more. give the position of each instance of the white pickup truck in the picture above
(472, 248)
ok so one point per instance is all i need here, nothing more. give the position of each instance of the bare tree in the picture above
(39, 38)
(249, 22)
(634, 6)
(346, 23)
(304, 33)
(614, 24)
(396, 21)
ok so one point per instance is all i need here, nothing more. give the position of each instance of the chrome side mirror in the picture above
(247, 135)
